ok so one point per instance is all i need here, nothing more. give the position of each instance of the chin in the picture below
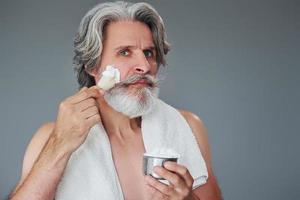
(132, 103)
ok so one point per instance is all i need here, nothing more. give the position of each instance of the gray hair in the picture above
(88, 42)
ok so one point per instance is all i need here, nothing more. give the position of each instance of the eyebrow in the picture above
(151, 48)
(133, 47)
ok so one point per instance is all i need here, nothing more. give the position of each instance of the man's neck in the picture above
(117, 124)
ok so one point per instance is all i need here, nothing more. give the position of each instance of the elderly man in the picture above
(95, 148)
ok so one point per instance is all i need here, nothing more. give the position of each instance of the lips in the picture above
(142, 82)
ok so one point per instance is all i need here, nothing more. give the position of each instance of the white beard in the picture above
(132, 104)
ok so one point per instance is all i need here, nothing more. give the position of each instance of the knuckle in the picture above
(185, 192)
(91, 101)
(68, 109)
(76, 120)
(83, 88)
(190, 183)
(86, 102)
(176, 180)
(95, 108)
(63, 105)
(95, 87)
(92, 111)
(184, 170)
(85, 93)
(97, 118)
(92, 89)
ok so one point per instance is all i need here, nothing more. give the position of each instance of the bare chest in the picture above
(128, 161)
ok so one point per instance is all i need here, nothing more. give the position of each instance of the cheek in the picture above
(124, 72)
(125, 68)
(154, 67)
(154, 70)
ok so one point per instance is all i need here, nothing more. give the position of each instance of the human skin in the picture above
(129, 47)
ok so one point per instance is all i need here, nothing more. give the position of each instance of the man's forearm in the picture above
(42, 181)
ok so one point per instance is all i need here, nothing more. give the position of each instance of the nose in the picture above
(142, 65)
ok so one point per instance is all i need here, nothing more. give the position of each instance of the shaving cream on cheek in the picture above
(109, 78)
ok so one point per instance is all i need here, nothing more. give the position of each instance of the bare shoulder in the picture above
(35, 146)
(193, 120)
(200, 132)
(210, 190)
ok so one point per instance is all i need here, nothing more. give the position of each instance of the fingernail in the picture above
(166, 164)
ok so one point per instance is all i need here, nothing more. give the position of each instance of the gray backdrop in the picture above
(235, 63)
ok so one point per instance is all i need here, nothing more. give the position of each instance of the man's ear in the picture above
(92, 72)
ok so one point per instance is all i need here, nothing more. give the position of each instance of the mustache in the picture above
(150, 80)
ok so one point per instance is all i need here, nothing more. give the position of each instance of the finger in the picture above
(153, 193)
(91, 121)
(83, 88)
(83, 105)
(163, 188)
(101, 91)
(180, 170)
(89, 112)
(173, 178)
(85, 94)
(95, 87)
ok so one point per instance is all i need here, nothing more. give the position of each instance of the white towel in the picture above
(91, 175)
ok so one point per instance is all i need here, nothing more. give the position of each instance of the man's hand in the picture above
(50, 149)
(181, 182)
(76, 115)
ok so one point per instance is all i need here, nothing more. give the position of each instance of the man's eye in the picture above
(148, 53)
(124, 52)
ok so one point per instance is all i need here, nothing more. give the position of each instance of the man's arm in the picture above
(39, 168)
(51, 147)
(210, 190)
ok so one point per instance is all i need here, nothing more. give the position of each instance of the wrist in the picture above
(54, 154)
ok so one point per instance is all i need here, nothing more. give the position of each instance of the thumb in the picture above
(100, 90)
(99, 98)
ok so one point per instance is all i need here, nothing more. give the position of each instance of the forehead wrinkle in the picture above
(117, 38)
